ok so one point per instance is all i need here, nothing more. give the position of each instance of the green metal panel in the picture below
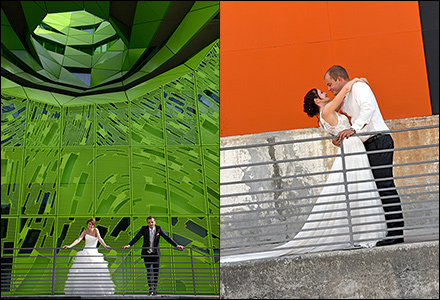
(186, 185)
(79, 125)
(98, 8)
(13, 120)
(113, 61)
(215, 233)
(59, 6)
(147, 121)
(9, 37)
(40, 175)
(12, 166)
(204, 4)
(181, 112)
(193, 22)
(161, 57)
(143, 33)
(112, 188)
(43, 126)
(149, 181)
(112, 124)
(150, 11)
(77, 182)
(34, 13)
(208, 96)
(211, 160)
(26, 58)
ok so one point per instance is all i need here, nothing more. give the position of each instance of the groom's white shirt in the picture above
(361, 105)
(152, 233)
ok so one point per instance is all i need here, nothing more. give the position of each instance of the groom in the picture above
(151, 251)
(360, 104)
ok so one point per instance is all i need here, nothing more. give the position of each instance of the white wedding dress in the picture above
(89, 274)
(312, 235)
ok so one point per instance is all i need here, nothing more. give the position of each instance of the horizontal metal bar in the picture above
(306, 197)
(319, 173)
(324, 138)
(321, 157)
(120, 248)
(330, 219)
(223, 214)
(327, 195)
(320, 220)
(334, 202)
(328, 227)
(281, 242)
(232, 252)
(242, 220)
(358, 224)
(318, 186)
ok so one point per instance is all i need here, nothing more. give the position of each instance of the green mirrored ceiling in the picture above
(74, 46)
(84, 48)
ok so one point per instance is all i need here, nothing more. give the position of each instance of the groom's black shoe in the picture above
(389, 242)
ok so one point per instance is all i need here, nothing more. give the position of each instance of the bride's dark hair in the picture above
(91, 220)
(310, 107)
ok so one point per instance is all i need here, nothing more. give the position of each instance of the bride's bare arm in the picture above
(76, 241)
(101, 240)
(335, 104)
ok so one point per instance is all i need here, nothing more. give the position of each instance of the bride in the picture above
(319, 233)
(89, 272)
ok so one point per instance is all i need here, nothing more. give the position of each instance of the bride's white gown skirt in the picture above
(89, 274)
(365, 214)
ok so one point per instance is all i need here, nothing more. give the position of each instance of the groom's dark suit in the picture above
(361, 105)
(152, 259)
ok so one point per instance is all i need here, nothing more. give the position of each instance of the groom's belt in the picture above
(375, 137)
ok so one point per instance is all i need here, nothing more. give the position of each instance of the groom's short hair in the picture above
(337, 71)
(151, 217)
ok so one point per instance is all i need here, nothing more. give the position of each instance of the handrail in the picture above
(313, 139)
(45, 270)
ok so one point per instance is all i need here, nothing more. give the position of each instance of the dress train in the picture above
(367, 215)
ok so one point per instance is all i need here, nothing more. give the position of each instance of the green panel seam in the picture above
(95, 153)
(202, 161)
(164, 124)
(130, 155)
(58, 199)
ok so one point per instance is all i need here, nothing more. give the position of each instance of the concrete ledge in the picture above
(403, 271)
(117, 297)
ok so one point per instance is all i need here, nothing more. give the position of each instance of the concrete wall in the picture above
(281, 217)
(404, 271)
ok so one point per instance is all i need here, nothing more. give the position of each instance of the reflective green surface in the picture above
(90, 46)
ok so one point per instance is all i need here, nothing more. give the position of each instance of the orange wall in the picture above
(273, 52)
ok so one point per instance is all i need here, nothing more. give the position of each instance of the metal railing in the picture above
(35, 271)
(262, 208)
